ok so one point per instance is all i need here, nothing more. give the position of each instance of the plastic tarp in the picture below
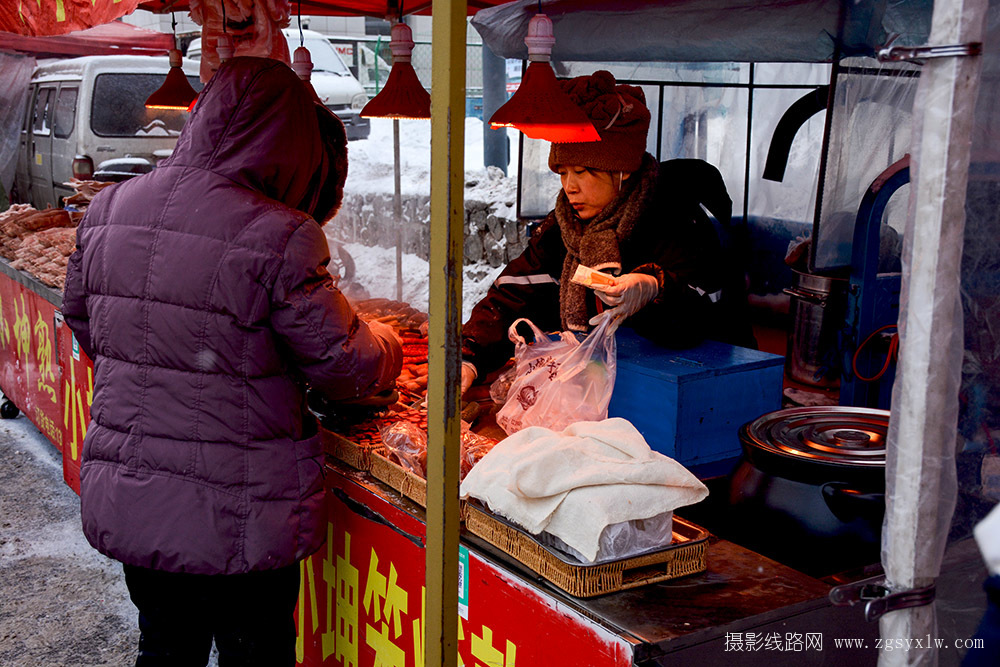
(15, 72)
(377, 8)
(57, 17)
(921, 444)
(869, 131)
(707, 30)
(115, 38)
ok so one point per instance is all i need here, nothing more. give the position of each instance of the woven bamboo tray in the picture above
(351, 453)
(411, 485)
(686, 555)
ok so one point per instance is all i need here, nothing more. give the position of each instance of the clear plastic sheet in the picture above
(869, 131)
(621, 540)
(15, 73)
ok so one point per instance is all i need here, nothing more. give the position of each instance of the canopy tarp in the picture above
(57, 17)
(378, 8)
(115, 38)
(708, 30)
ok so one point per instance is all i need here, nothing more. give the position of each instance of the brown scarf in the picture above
(596, 244)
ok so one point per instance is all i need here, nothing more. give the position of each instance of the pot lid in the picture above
(830, 434)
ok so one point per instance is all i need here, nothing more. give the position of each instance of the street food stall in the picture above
(401, 582)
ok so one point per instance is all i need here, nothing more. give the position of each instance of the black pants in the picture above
(250, 616)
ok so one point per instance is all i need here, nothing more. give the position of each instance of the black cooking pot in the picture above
(810, 489)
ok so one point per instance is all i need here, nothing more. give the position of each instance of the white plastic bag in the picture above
(560, 382)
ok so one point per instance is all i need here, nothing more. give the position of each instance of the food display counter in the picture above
(362, 602)
(362, 596)
(43, 371)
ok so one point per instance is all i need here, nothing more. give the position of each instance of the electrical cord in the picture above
(891, 354)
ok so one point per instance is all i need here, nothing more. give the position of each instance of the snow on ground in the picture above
(371, 171)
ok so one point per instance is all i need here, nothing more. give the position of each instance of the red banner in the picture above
(362, 601)
(57, 17)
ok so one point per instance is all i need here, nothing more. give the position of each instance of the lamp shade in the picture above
(176, 91)
(403, 96)
(539, 108)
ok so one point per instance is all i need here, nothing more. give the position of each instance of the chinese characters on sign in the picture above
(372, 620)
(774, 641)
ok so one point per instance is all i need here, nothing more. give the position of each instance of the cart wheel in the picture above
(8, 410)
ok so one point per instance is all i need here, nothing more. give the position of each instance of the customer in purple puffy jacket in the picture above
(200, 291)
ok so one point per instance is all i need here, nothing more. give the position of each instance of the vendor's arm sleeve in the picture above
(74, 303)
(327, 342)
(528, 287)
(687, 266)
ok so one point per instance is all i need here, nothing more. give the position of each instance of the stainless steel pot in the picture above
(810, 489)
(817, 307)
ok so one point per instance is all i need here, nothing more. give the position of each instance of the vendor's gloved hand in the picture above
(630, 293)
(468, 376)
(393, 350)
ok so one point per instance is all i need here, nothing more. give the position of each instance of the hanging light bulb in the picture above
(176, 91)
(224, 43)
(302, 63)
(540, 108)
(403, 96)
(224, 47)
(302, 66)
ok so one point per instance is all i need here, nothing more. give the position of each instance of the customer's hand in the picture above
(468, 376)
(630, 293)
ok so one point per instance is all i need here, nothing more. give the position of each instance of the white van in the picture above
(333, 82)
(370, 69)
(82, 112)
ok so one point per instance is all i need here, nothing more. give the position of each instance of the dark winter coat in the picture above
(201, 294)
(702, 295)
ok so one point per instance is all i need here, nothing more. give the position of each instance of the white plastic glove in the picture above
(468, 376)
(630, 293)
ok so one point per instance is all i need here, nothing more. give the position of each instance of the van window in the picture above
(119, 107)
(65, 111)
(40, 122)
(322, 54)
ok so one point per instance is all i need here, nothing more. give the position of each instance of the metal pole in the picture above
(397, 209)
(496, 150)
(444, 355)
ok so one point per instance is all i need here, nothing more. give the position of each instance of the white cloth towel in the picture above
(574, 483)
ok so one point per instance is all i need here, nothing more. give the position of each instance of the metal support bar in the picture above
(897, 53)
(444, 350)
(878, 599)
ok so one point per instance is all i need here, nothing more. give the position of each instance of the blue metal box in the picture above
(689, 404)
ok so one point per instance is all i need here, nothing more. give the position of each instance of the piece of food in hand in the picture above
(588, 277)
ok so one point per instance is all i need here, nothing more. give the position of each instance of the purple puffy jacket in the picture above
(200, 291)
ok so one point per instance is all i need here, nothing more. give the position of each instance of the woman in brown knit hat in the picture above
(622, 213)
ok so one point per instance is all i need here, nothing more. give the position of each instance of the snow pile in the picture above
(371, 172)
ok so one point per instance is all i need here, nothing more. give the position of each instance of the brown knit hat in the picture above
(620, 115)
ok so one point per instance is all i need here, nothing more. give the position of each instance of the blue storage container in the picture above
(689, 404)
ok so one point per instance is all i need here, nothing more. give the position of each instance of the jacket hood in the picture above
(257, 124)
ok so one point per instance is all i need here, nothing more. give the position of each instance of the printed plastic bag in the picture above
(560, 382)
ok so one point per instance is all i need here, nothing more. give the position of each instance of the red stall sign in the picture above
(362, 600)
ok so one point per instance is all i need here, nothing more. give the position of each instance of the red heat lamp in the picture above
(539, 108)
(403, 96)
(176, 91)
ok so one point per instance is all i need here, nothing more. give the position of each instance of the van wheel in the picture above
(8, 410)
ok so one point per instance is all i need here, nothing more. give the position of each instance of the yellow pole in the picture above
(445, 310)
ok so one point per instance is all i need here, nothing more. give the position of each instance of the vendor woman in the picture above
(621, 213)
